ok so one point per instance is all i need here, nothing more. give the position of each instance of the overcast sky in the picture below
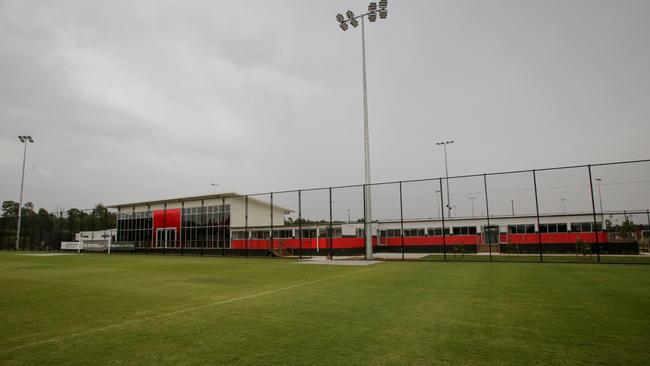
(138, 100)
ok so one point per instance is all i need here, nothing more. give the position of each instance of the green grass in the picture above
(548, 258)
(151, 310)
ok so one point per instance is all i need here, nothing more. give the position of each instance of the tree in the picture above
(628, 226)
(9, 208)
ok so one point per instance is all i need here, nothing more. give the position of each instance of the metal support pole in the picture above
(401, 217)
(196, 232)
(246, 224)
(165, 236)
(271, 249)
(365, 223)
(539, 234)
(182, 237)
(447, 179)
(20, 201)
(366, 138)
(300, 223)
(593, 209)
(223, 227)
(444, 237)
(487, 210)
(330, 230)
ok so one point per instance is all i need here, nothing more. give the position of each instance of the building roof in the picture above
(202, 197)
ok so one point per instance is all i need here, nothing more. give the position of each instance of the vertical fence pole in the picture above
(593, 210)
(223, 226)
(153, 232)
(365, 223)
(442, 217)
(539, 234)
(487, 210)
(207, 230)
(246, 225)
(181, 237)
(196, 232)
(300, 223)
(401, 217)
(271, 249)
(330, 231)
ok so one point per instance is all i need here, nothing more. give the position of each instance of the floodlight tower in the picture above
(24, 140)
(373, 10)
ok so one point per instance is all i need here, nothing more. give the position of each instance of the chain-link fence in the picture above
(587, 213)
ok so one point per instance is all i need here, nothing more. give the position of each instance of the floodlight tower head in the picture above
(21, 138)
(383, 12)
(372, 11)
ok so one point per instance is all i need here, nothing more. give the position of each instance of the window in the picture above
(585, 227)
(437, 231)
(522, 229)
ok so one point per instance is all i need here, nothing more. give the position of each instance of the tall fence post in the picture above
(365, 224)
(330, 232)
(300, 224)
(593, 210)
(181, 237)
(442, 217)
(539, 234)
(196, 231)
(246, 225)
(223, 226)
(401, 217)
(271, 249)
(487, 211)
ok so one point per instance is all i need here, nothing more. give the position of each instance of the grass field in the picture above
(151, 310)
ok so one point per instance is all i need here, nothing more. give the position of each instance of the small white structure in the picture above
(94, 241)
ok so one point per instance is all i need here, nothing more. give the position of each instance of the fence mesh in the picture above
(589, 213)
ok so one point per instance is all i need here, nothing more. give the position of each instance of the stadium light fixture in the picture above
(444, 145)
(343, 23)
(24, 140)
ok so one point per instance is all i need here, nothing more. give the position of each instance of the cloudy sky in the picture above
(137, 100)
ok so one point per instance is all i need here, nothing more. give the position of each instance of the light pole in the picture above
(444, 145)
(600, 197)
(437, 207)
(348, 215)
(343, 23)
(512, 206)
(214, 185)
(563, 205)
(24, 140)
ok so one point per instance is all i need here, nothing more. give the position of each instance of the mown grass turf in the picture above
(151, 310)
(547, 258)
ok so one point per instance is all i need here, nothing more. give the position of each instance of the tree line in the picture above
(43, 230)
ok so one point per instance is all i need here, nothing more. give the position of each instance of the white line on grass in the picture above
(176, 312)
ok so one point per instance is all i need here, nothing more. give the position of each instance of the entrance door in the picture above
(491, 234)
(166, 237)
